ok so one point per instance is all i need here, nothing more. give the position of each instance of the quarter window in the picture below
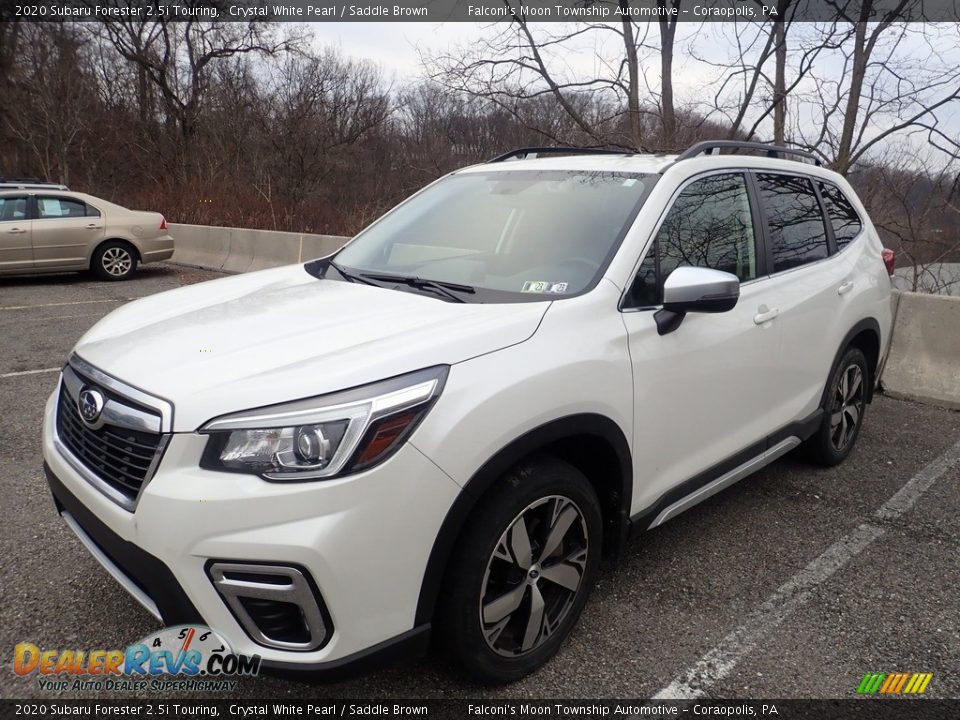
(797, 233)
(60, 207)
(709, 225)
(844, 219)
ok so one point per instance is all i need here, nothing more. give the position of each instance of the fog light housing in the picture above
(278, 606)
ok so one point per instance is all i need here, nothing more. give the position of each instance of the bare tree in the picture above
(49, 99)
(525, 62)
(750, 96)
(316, 104)
(668, 34)
(886, 75)
(914, 201)
(178, 59)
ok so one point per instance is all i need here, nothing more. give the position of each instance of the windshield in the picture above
(506, 236)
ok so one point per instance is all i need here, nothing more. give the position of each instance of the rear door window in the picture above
(798, 235)
(60, 207)
(844, 219)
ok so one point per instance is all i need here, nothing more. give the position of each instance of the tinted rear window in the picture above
(844, 219)
(797, 232)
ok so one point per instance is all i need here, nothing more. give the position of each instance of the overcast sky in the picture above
(394, 47)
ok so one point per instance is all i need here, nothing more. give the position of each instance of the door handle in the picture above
(845, 287)
(16, 231)
(93, 226)
(765, 315)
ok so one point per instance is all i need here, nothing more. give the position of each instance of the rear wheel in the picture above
(522, 571)
(847, 393)
(114, 260)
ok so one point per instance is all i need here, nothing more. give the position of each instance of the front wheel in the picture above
(114, 260)
(522, 572)
(847, 393)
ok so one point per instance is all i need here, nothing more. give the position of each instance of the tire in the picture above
(114, 260)
(532, 584)
(844, 408)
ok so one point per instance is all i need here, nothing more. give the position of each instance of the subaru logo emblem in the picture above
(90, 404)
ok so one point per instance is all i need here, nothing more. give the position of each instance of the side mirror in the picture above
(695, 289)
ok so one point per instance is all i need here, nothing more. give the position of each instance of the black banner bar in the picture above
(483, 11)
(854, 709)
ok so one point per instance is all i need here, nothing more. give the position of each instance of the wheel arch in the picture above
(864, 335)
(592, 443)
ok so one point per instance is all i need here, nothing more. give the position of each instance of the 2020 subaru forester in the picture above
(446, 423)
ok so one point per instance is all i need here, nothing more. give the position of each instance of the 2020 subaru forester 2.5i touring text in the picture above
(448, 422)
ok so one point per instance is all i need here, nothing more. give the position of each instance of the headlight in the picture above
(323, 436)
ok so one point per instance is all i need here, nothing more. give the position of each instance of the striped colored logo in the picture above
(894, 683)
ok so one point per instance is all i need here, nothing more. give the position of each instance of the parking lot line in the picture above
(29, 372)
(58, 304)
(718, 663)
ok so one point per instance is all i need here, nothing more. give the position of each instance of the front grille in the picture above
(120, 457)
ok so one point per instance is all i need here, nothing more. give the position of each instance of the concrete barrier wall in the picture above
(924, 360)
(243, 250)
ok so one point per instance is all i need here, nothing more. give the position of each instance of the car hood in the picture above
(277, 335)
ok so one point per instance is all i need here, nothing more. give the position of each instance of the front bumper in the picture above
(365, 540)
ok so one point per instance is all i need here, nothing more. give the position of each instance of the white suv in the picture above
(448, 422)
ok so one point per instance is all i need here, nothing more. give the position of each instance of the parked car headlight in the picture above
(324, 436)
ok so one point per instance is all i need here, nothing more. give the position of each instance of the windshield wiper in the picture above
(447, 289)
(352, 277)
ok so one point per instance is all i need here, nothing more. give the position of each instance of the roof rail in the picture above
(25, 184)
(707, 147)
(27, 181)
(538, 151)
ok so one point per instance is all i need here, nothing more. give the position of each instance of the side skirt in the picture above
(724, 474)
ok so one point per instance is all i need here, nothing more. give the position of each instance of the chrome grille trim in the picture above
(163, 407)
(114, 413)
(119, 453)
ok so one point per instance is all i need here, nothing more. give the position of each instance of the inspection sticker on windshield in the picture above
(542, 286)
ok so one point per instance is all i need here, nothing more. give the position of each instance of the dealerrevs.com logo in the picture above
(185, 657)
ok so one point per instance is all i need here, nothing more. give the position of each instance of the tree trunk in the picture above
(668, 119)
(143, 96)
(860, 57)
(633, 68)
(780, 84)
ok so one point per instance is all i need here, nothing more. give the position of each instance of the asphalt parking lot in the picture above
(792, 584)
